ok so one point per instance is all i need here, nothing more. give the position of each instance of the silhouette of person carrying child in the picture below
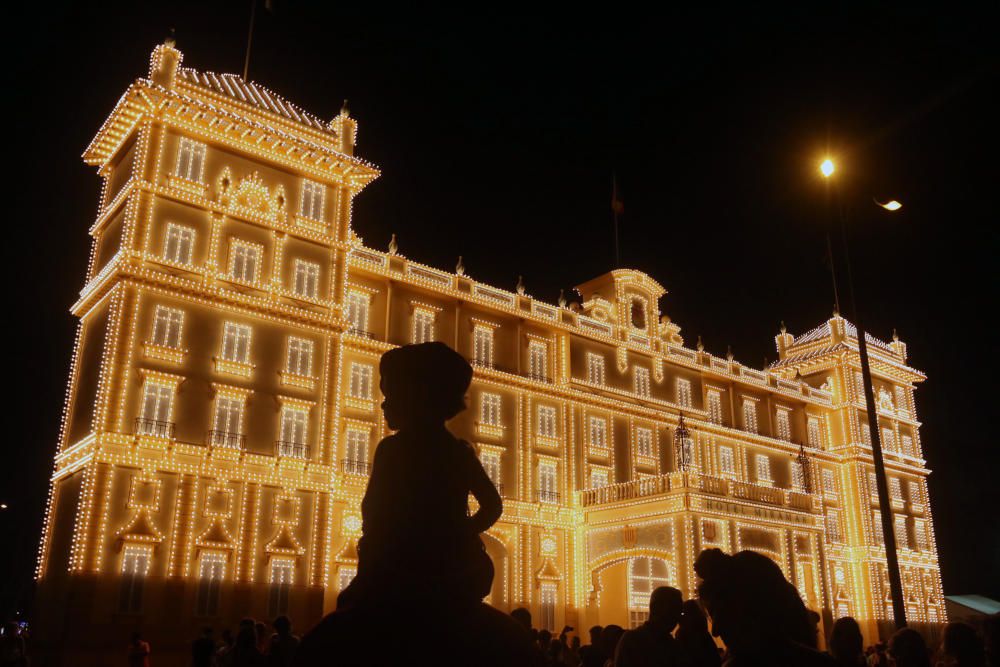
(422, 567)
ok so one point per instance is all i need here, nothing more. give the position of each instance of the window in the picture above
(547, 421)
(784, 424)
(345, 575)
(895, 490)
(313, 195)
(913, 488)
(727, 462)
(888, 440)
(859, 386)
(920, 529)
(356, 451)
(489, 409)
(236, 343)
(306, 279)
(135, 568)
(190, 160)
(798, 479)
(244, 261)
(598, 478)
(423, 326)
(833, 527)
(683, 393)
(901, 401)
(714, 406)
(873, 485)
(178, 244)
(547, 492)
(538, 360)
(877, 535)
(547, 603)
(491, 464)
(644, 576)
(157, 402)
(638, 314)
(640, 381)
(899, 527)
(829, 484)
(866, 433)
(300, 357)
(814, 433)
(361, 381)
(167, 324)
(644, 442)
(211, 572)
(908, 445)
(357, 312)
(598, 433)
(482, 346)
(763, 467)
(281, 580)
(227, 427)
(750, 415)
(294, 425)
(595, 368)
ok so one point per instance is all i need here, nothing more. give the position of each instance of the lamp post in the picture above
(827, 168)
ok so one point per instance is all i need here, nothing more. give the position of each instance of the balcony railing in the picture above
(291, 449)
(355, 467)
(545, 496)
(228, 440)
(354, 331)
(691, 481)
(154, 428)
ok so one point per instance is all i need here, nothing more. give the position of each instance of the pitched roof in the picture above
(253, 94)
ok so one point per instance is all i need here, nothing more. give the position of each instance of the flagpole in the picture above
(246, 60)
(616, 208)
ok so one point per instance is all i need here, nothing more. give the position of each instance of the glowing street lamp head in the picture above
(891, 205)
(826, 168)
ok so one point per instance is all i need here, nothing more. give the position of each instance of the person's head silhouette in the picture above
(424, 385)
(908, 649)
(752, 605)
(665, 605)
(693, 619)
(846, 642)
(282, 625)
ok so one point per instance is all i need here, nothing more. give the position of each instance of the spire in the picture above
(460, 267)
(393, 245)
(520, 285)
(700, 345)
(562, 299)
(783, 329)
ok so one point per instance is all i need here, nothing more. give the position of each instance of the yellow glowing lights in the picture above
(200, 202)
(827, 168)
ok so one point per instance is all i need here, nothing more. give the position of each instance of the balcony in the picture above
(691, 482)
(154, 428)
(361, 333)
(227, 440)
(355, 467)
(544, 496)
(291, 449)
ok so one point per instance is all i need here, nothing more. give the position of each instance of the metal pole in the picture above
(881, 483)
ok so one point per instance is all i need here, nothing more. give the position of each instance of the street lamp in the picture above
(882, 485)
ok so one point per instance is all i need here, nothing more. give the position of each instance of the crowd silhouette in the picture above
(423, 572)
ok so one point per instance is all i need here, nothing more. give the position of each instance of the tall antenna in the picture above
(246, 61)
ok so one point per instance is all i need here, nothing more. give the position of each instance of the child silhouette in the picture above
(417, 535)
(422, 568)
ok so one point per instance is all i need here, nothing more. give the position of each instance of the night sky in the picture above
(498, 129)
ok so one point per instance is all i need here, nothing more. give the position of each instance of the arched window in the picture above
(645, 574)
(638, 314)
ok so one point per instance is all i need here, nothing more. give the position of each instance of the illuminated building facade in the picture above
(223, 405)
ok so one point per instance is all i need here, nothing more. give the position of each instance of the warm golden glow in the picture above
(222, 409)
(891, 205)
(826, 168)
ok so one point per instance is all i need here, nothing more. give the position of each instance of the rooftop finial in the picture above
(700, 345)
(520, 285)
(783, 328)
(460, 267)
(895, 336)
(836, 310)
(729, 352)
(393, 245)
(171, 39)
(562, 299)
(344, 110)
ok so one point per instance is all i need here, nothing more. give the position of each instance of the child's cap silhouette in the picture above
(427, 379)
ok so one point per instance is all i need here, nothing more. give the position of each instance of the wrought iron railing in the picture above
(356, 467)
(292, 449)
(227, 439)
(154, 427)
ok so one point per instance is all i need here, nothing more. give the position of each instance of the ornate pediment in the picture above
(250, 197)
